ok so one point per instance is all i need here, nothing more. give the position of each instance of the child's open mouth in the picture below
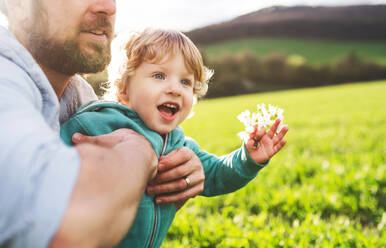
(168, 110)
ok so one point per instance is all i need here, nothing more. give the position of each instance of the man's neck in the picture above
(58, 81)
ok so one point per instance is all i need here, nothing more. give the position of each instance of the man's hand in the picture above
(112, 139)
(180, 173)
(115, 169)
(269, 143)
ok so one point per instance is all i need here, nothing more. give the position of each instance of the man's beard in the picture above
(66, 56)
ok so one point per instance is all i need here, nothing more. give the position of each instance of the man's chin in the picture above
(85, 65)
(90, 59)
(71, 56)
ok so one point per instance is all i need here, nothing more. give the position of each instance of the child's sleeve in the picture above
(94, 123)
(227, 173)
(104, 121)
(87, 123)
(68, 129)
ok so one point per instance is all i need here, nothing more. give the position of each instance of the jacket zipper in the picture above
(155, 206)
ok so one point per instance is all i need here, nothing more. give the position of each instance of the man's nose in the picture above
(107, 7)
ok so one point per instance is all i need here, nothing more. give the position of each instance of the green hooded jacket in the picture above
(222, 174)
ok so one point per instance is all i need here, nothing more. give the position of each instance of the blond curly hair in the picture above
(130, 49)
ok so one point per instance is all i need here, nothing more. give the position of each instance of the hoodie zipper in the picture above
(155, 206)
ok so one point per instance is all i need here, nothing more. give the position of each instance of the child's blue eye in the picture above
(186, 82)
(159, 76)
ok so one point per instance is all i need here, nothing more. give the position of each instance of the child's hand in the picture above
(262, 145)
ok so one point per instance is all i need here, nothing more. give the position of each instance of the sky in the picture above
(185, 15)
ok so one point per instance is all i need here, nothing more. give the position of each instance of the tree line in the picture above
(246, 73)
(365, 22)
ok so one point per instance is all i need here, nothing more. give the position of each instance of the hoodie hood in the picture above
(14, 51)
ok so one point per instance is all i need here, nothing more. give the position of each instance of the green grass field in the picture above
(316, 52)
(326, 188)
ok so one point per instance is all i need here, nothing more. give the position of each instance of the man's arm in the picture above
(109, 188)
(49, 190)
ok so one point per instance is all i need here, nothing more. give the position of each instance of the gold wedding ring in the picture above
(187, 180)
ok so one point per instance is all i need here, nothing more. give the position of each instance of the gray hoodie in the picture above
(37, 171)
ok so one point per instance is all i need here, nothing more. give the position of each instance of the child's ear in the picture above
(122, 93)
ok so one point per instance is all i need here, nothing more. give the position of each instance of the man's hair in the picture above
(130, 50)
(3, 9)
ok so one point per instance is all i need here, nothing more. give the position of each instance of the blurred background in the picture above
(324, 63)
(259, 46)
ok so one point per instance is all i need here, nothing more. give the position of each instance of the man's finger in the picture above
(174, 173)
(175, 158)
(180, 196)
(109, 140)
(176, 185)
(102, 140)
(79, 138)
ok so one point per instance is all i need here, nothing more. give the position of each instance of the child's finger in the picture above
(260, 133)
(280, 135)
(256, 137)
(250, 143)
(273, 129)
(278, 147)
(255, 129)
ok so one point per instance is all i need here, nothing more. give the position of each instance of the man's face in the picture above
(72, 36)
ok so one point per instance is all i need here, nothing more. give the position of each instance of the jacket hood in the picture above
(14, 51)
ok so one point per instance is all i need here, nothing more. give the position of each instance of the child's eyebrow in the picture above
(187, 74)
(154, 66)
(164, 68)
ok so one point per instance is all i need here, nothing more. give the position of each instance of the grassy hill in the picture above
(364, 22)
(316, 52)
(325, 189)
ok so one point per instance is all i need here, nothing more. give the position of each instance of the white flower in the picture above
(262, 118)
(243, 135)
(244, 116)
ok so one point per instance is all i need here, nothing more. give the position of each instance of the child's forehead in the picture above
(163, 60)
(161, 56)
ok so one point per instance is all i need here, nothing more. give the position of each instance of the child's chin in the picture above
(164, 130)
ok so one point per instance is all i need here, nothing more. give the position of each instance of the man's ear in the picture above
(3, 7)
(19, 11)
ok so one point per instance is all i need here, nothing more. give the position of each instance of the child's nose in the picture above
(174, 88)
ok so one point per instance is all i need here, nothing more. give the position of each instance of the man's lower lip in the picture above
(102, 37)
